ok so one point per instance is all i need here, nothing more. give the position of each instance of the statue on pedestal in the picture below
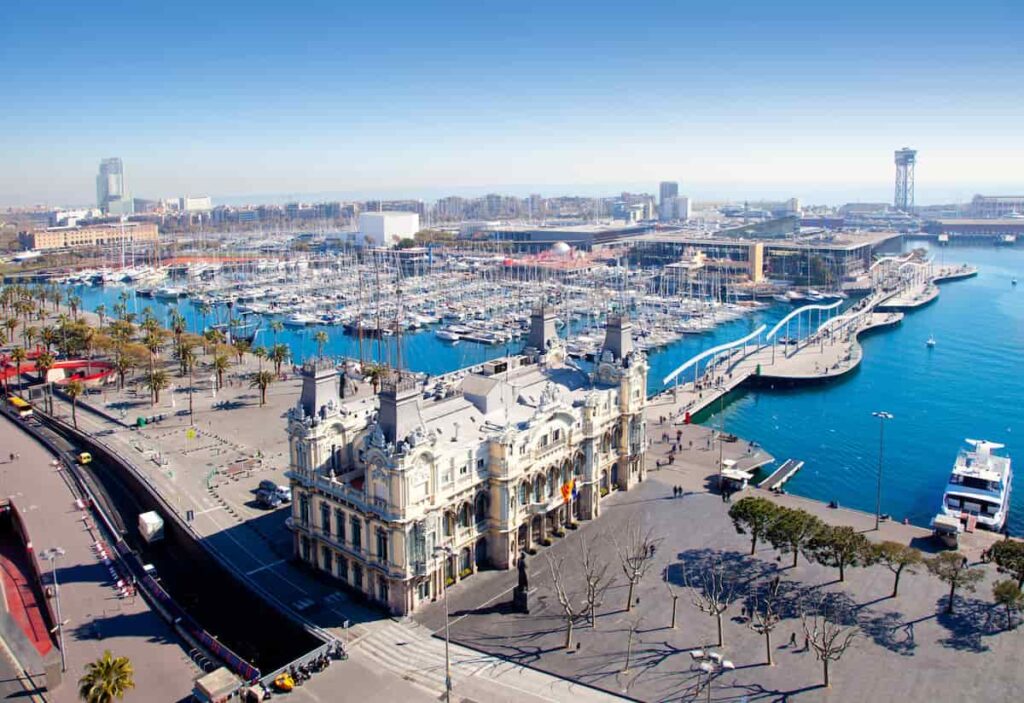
(521, 593)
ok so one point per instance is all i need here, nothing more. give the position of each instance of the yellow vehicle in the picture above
(284, 682)
(20, 406)
(83, 458)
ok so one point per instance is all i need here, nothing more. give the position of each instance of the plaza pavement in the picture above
(908, 648)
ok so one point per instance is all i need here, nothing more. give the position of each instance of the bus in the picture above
(20, 406)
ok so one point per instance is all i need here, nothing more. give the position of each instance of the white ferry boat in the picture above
(979, 487)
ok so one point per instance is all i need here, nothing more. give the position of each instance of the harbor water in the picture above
(970, 384)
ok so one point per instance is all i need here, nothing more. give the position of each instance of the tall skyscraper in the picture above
(667, 191)
(110, 183)
(904, 199)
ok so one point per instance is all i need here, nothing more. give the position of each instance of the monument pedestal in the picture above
(521, 599)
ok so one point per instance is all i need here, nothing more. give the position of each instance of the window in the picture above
(464, 515)
(543, 441)
(382, 590)
(325, 517)
(339, 523)
(464, 469)
(357, 533)
(556, 435)
(524, 493)
(357, 575)
(342, 568)
(304, 542)
(304, 509)
(424, 590)
(382, 545)
(327, 559)
(479, 464)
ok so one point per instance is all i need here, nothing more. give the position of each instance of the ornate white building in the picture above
(398, 494)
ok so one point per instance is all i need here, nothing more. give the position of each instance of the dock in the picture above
(775, 481)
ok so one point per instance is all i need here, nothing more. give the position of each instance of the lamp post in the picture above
(447, 551)
(52, 555)
(882, 417)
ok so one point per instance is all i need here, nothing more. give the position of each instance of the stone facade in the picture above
(400, 497)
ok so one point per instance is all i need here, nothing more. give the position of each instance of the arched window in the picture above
(524, 493)
(464, 515)
(538, 489)
(552, 480)
(449, 523)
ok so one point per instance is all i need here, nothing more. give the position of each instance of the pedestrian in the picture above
(792, 639)
(12, 456)
(807, 642)
(691, 444)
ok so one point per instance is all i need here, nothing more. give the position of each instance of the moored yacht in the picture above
(979, 487)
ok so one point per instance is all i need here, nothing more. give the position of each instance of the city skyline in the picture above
(739, 102)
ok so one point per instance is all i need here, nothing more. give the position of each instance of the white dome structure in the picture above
(561, 249)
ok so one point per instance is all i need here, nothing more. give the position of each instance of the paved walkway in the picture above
(97, 619)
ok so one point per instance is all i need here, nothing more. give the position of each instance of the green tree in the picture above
(1008, 556)
(897, 558)
(101, 312)
(260, 353)
(792, 532)
(45, 362)
(156, 381)
(321, 341)
(279, 354)
(221, 363)
(839, 547)
(261, 380)
(754, 516)
(954, 569)
(1008, 594)
(106, 679)
(275, 327)
(18, 356)
(375, 373)
(74, 389)
(241, 346)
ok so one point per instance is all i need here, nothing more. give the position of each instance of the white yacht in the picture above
(979, 487)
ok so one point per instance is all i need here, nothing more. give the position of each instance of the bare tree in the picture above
(764, 614)
(828, 639)
(595, 573)
(634, 625)
(673, 595)
(570, 609)
(636, 553)
(712, 594)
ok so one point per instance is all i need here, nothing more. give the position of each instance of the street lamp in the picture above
(447, 551)
(52, 555)
(882, 417)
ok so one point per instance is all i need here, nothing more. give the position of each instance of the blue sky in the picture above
(734, 99)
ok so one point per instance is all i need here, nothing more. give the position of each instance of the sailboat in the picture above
(931, 341)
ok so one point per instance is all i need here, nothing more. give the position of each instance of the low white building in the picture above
(386, 229)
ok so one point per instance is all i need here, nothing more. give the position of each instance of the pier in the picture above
(778, 478)
(812, 344)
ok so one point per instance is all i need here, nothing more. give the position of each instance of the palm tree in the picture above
(188, 359)
(260, 353)
(45, 362)
(74, 388)
(321, 341)
(18, 355)
(156, 381)
(221, 363)
(241, 347)
(123, 363)
(374, 372)
(261, 380)
(101, 311)
(30, 335)
(275, 327)
(152, 342)
(279, 354)
(106, 679)
(48, 336)
(11, 324)
(56, 296)
(74, 302)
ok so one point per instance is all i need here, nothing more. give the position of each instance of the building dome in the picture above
(561, 249)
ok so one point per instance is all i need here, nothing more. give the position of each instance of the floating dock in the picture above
(782, 474)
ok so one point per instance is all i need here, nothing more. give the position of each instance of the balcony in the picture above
(343, 491)
(550, 448)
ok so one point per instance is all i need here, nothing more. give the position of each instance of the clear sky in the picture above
(395, 98)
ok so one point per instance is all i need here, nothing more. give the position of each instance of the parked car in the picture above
(285, 493)
(268, 499)
(267, 485)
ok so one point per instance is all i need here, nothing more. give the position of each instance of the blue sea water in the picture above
(971, 384)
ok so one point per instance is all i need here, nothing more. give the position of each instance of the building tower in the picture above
(109, 183)
(667, 190)
(904, 200)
